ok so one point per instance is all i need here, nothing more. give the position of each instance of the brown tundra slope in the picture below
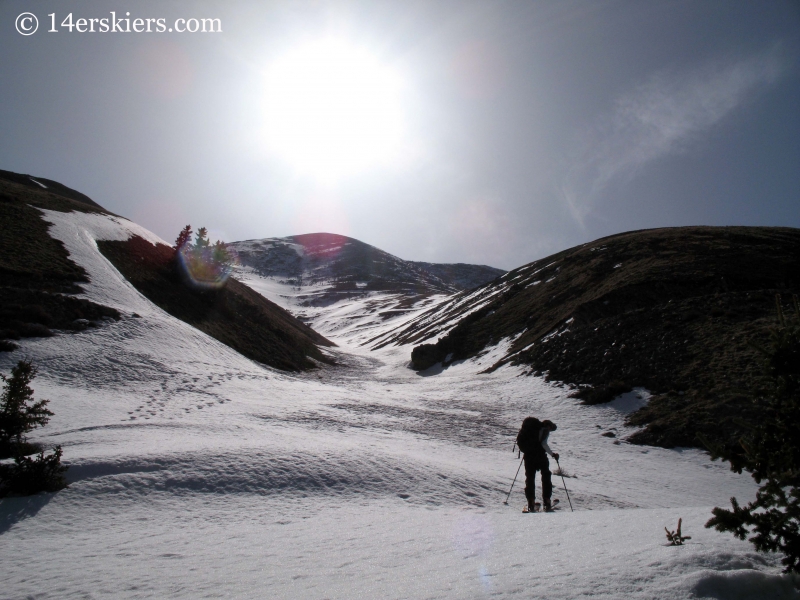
(676, 310)
(40, 285)
(38, 281)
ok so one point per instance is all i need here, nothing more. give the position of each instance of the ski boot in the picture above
(550, 507)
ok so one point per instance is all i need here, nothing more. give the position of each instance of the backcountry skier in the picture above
(532, 442)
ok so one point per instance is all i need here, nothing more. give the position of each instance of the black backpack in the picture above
(528, 436)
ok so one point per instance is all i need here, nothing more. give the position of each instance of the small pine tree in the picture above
(28, 476)
(19, 413)
(183, 238)
(770, 452)
(201, 240)
(220, 254)
(202, 264)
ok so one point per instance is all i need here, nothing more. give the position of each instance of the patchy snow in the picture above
(353, 320)
(631, 401)
(267, 243)
(435, 321)
(196, 472)
(558, 332)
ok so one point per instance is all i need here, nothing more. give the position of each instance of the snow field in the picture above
(198, 473)
(248, 547)
(354, 321)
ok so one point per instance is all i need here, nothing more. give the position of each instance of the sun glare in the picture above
(333, 109)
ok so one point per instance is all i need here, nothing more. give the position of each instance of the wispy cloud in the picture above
(663, 116)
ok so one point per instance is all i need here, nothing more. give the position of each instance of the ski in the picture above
(553, 506)
(537, 507)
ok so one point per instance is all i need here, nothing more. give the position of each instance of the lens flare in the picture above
(207, 267)
(473, 535)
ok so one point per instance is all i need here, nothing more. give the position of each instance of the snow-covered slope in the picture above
(346, 289)
(678, 310)
(335, 266)
(356, 318)
(437, 321)
(198, 473)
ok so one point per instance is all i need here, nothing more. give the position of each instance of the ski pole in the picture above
(560, 472)
(513, 482)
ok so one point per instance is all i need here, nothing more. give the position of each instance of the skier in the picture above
(532, 442)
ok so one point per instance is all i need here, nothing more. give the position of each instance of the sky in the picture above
(446, 131)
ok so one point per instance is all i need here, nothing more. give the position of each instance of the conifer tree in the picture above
(27, 475)
(19, 413)
(201, 263)
(220, 254)
(201, 240)
(770, 452)
(183, 238)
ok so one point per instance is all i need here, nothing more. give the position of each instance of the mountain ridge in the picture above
(40, 283)
(344, 288)
(340, 266)
(675, 310)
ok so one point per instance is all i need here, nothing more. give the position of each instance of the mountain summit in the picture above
(337, 266)
(345, 288)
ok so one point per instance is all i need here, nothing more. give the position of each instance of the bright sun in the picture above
(333, 109)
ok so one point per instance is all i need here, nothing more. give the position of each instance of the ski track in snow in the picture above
(196, 472)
